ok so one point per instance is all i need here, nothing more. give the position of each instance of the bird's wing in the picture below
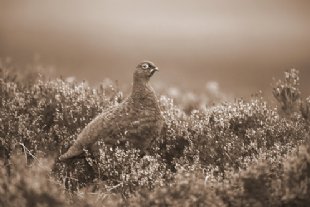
(97, 128)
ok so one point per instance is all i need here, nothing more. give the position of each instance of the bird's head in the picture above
(145, 70)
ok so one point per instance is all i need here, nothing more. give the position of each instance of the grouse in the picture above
(138, 118)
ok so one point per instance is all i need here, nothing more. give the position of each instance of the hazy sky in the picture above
(239, 44)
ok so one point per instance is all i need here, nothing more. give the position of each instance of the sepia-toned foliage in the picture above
(241, 153)
(287, 91)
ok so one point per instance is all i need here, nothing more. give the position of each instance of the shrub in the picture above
(31, 185)
(188, 189)
(281, 181)
(241, 147)
(230, 134)
(287, 92)
(305, 110)
(296, 188)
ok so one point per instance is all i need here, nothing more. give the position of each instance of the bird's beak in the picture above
(155, 69)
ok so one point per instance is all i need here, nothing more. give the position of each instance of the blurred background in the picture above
(235, 47)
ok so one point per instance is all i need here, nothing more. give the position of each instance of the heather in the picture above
(246, 152)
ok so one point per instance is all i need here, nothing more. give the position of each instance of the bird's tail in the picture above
(73, 151)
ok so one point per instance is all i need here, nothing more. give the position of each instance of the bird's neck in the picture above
(143, 95)
(141, 88)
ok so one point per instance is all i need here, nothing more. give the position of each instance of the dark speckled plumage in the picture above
(138, 118)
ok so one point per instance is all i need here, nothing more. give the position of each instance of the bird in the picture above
(138, 118)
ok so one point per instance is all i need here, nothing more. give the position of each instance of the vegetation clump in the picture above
(241, 153)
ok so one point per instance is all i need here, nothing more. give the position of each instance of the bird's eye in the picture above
(145, 66)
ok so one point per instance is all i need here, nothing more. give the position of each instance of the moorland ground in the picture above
(238, 153)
